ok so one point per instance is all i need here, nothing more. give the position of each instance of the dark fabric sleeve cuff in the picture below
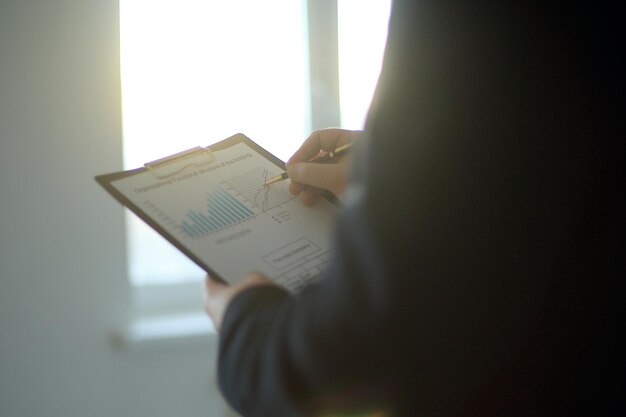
(250, 300)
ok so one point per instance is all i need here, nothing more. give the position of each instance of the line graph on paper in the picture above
(251, 186)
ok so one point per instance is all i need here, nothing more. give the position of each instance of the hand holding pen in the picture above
(312, 169)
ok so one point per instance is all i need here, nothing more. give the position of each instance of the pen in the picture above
(321, 159)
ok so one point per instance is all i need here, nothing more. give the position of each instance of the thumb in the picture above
(331, 177)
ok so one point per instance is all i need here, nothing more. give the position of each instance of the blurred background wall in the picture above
(63, 286)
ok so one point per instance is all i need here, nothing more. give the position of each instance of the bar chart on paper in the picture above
(236, 200)
(222, 210)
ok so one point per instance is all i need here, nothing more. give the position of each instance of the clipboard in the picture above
(233, 208)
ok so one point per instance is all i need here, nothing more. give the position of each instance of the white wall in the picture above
(63, 289)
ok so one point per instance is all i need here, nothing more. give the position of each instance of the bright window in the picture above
(362, 28)
(197, 71)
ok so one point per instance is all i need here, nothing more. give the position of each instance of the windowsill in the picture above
(165, 332)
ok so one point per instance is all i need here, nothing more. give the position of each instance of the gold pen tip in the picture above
(272, 181)
(276, 179)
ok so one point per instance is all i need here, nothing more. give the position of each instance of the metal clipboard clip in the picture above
(179, 162)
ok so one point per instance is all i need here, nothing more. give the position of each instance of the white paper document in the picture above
(222, 216)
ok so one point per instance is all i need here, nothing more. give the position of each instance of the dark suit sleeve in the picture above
(461, 230)
(284, 355)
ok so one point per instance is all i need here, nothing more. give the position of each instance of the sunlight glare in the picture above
(362, 37)
(198, 71)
